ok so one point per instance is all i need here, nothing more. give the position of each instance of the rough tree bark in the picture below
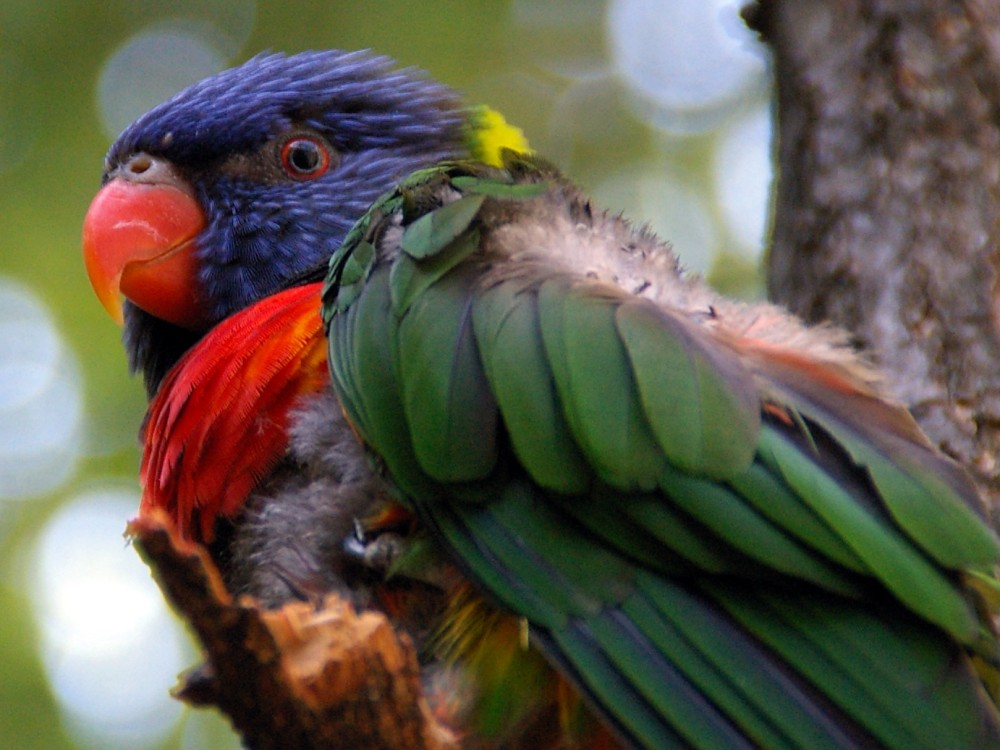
(308, 676)
(886, 222)
(886, 216)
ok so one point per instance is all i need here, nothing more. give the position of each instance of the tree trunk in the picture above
(886, 211)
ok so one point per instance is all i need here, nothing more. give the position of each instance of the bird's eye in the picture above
(305, 158)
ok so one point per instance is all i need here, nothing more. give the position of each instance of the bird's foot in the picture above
(378, 551)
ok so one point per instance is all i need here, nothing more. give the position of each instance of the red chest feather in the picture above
(219, 423)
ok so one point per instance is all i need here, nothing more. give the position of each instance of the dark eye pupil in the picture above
(304, 157)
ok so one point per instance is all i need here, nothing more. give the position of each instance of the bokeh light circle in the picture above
(686, 63)
(149, 68)
(41, 404)
(743, 173)
(108, 644)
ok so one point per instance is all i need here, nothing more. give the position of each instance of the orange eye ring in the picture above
(305, 158)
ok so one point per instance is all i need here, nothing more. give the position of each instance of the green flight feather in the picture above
(610, 688)
(659, 681)
(904, 684)
(685, 548)
(594, 381)
(734, 670)
(739, 524)
(505, 319)
(527, 550)
(559, 582)
(919, 487)
(359, 339)
(701, 403)
(677, 532)
(774, 499)
(902, 568)
(452, 414)
(697, 667)
(527, 579)
(923, 505)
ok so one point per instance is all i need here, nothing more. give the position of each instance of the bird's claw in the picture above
(378, 554)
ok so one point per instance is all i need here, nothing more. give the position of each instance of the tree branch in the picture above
(295, 678)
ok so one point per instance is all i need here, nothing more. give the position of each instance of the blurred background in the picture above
(658, 108)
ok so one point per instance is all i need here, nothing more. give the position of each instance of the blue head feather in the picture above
(358, 98)
(265, 233)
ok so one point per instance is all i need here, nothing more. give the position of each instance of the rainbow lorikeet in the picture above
(600, 478)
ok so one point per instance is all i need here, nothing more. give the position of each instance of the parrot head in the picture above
(217, 205)
(244, 184)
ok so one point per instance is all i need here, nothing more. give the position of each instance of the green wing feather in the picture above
(714, 546)
(448, 405)
(594, 381)
(700, 402)
(505, 319)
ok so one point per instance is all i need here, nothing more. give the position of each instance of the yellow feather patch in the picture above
(489, 135)
(508, 685)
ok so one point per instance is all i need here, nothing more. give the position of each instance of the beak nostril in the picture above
(148, 169)
(140, 164)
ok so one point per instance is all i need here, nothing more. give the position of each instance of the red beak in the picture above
(139, 238)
